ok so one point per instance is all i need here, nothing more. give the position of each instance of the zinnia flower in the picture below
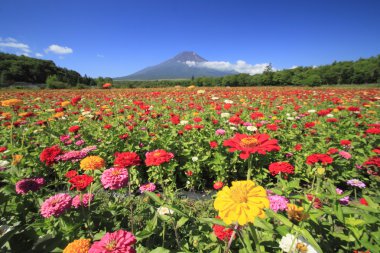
(49, 154)
(241, 203)
(55, 205)
(126, 159)
(223, 233)
(278, 203)
(356, 183)
(149, 187)
(120, 241)
(78, 246)
(283, 167)
(80, 182)
(92, 163)
(114, 178)
(250, 144)
(296, 213)
(86, 199)
(29, 184)
(158, 157)
(316, 158)
(290, 243)
(11, 102)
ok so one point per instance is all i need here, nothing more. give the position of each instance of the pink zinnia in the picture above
(86, 198)
(220, 132)
(116, 242)
(345, 154)
(114, 178)
(149, 187)
(56, 205)
(29, 184)
(278, 203)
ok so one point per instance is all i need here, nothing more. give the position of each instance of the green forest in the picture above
(26, 70)
(21, 69)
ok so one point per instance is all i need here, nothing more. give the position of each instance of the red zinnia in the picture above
(49, 154)
(157, 157)
(213, 144)
(298, 147)
(322, 158)
(126, 159)
(345, 142)
(373, 131)
(283, 167)
(2, 149)
(218, 185)
(71, 173)
(250, 144)
(80, 182)
(74, 129)
(222, 232)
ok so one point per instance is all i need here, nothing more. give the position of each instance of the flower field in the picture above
(190, 170)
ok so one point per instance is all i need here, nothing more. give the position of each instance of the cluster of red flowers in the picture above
(157, 157)
(283, 167)
(223, 233)
(126, 159)
(49, 154)
(319, 158)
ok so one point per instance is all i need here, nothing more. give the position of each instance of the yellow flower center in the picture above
(249, 142)
(157, 154)
(111, 245)
(302, 248)
(240, 195)
(115, 172)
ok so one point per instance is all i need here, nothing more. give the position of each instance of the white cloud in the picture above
(100, 55)
(56, 49)
(13, 44)
(294, 67)
(240, 66)
(38, 55)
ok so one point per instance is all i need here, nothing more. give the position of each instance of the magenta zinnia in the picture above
(119, 242)
(114, 178)
(29, 184)
(250, 144)
(55, 205)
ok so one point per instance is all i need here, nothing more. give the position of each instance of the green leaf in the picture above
(213, 221)
(160, 250)
(181, 222)
(155, 198)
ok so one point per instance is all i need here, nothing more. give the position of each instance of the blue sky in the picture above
(117, 38)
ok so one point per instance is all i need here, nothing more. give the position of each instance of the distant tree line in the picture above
(23, 69)
(361, 71)
(15, 69)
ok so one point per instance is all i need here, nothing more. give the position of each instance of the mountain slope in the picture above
(176, 68)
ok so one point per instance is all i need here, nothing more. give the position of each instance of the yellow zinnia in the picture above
(92, 163)
(241, 203)
(11, 102)
(78, 246)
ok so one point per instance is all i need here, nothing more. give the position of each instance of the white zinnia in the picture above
(183, 122)
(252, 128)
(194, 158)
(162, 210)
(225, 115)
(3, 163)
(227, 101)
(289, 242)
(311, 111)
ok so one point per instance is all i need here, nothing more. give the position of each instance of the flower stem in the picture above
(231, 238)
(255, 239)
(249, 172)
